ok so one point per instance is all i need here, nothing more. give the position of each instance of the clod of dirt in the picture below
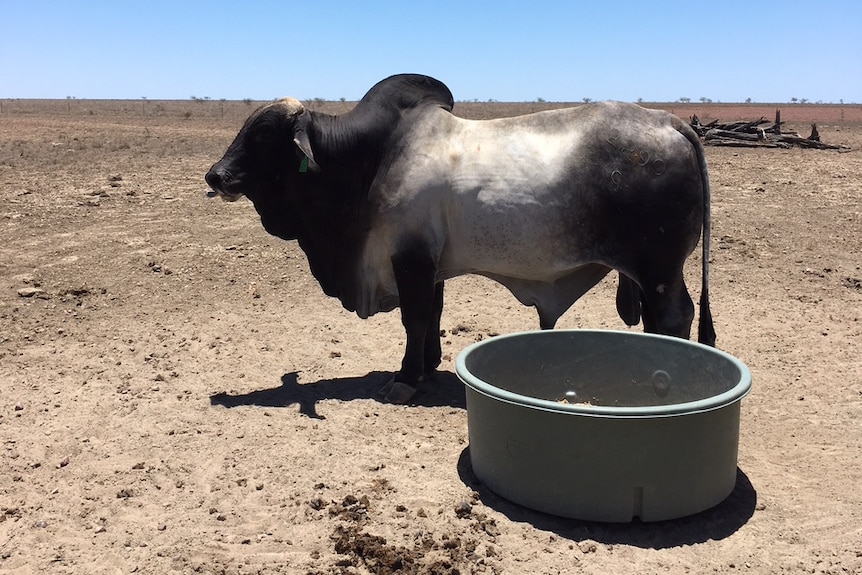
(362, 549)
(351, 508)
(852, 283)
(372, 551)
(463, 509)
(460, 328)
(78, 291)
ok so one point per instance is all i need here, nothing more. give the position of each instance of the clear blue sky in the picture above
(662, 50)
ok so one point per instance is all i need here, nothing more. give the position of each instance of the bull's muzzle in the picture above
(218, 182)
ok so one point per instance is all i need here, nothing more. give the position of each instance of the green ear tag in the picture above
(303, 165)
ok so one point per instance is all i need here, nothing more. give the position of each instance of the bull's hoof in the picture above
(399, 393)
(384, 391)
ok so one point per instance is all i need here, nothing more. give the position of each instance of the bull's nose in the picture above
(213, 179)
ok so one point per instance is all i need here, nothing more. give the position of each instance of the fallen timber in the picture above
(758, 134)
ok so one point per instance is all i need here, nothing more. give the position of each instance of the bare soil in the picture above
(178, 396)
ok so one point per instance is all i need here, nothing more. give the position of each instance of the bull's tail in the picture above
(705, 328)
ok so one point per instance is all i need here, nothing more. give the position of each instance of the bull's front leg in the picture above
(421, 301)
(433, 351)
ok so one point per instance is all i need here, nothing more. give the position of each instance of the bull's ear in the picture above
(300, 138)
(308, 163)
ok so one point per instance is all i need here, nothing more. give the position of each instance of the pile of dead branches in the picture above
(758, 134)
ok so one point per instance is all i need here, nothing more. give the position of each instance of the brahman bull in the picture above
(398, 195)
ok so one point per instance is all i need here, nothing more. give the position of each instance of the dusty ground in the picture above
(178, 396)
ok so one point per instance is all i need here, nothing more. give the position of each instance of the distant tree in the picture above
(748, 100)
(640, 100)
(793, 99)
(587, 100)
(342, 99)
(685, 100)
(540, 100)
(803, 101)
(247, 101)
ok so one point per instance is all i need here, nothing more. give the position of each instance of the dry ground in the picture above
(178, 396)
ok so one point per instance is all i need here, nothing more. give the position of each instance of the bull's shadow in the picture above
(716, 523)
(444, 391)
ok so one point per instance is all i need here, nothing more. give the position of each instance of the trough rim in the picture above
(729, 397)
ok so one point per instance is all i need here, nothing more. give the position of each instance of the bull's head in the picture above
(270, 151)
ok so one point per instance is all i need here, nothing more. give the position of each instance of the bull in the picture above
(396, 196)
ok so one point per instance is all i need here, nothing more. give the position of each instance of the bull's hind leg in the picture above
(667, 307)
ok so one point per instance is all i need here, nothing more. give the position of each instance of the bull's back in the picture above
(536, 196)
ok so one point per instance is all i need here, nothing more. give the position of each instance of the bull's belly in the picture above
(531, 261)
(532, 248)
(516, 269)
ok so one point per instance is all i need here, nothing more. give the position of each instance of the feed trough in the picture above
(603, 425)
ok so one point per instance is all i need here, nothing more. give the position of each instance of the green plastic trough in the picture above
(604, 425)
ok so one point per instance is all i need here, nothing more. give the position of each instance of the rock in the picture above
(30, 292)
